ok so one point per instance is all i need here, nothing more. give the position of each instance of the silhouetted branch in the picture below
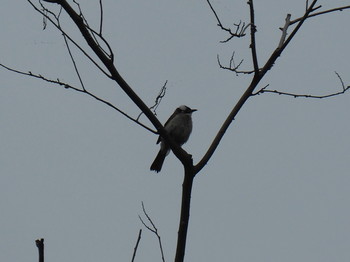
(136, 246)
(44, 13)
(233, 67)
(344, 89)
(158, 100)
(240, 28)
(321, 13)
(74, 64)
(101, 17)
(259, 73)
(40, 245)
(185, 214)
(107, 60)
(153, 229)
(84, 91)
(252, 36)
(94, 33)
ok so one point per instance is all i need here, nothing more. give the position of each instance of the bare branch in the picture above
(341, 81)
(157, 102)
(301, 95)
(232, 66)
(101, 17)
(74, 64)
(240, 28)
(344, 89)
(107, 61)
(40, 245)
(252, 37)
(321, 13)
(84, 91)
(153, 229)
(284, 31)
(94, 33)
(136, 246)
(159, 98)
(259, 74)
(44, 13)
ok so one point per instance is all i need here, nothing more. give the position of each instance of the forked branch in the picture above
(153, 229)
(295, 95)
(259, 73)
(240, 27)
(84, 91)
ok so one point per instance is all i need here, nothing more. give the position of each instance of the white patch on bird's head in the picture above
(183, 108)
(186, 109)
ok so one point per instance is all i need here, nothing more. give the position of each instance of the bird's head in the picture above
(185, 110)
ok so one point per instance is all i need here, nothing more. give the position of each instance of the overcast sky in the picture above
(75, 171)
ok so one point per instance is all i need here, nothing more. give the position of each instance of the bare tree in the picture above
(105, 63)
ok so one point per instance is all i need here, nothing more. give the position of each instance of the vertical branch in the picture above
(101, 17)
(136, 246)
(185, 214)
(40, 245)
(284, 31)
(252, 37)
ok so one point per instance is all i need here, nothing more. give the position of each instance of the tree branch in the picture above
(65, 34)
(284, 31)
(153, 229)
(181, 154)
(258, 75)
(185, 214)
(40, 245)
(240, 28)
(136, 246)
(101, 19)
(344, 89)
(252, 36)
(321, 13)
(233, 67)
(84, 91)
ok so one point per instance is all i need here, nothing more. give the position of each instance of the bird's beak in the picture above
(193, 110)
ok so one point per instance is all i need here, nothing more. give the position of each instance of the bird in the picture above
(179, 128)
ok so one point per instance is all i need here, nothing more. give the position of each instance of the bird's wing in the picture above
(165, 125)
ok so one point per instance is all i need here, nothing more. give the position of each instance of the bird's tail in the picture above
(158, 162)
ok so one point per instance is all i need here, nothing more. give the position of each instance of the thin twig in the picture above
(301, 95)
(136, 246)
(153, 229)
(344, 89)
(159, 98)
(341, 81)
(67, 86)
(157, 102)
(74, 64)
(101, 17)
(233, 67)
(321, 13)
(240, 29)
(94, 33)
(70, 39)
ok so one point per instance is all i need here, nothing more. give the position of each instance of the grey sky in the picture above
(74, 171)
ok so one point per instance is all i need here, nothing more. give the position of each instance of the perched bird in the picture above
(179, 128)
